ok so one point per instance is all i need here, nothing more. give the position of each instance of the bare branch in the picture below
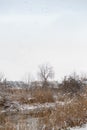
(45, 73)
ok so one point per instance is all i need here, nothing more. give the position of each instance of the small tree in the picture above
(45, 73)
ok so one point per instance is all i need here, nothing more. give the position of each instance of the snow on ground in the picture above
(44, 105)
(82, 128)
(35, 106)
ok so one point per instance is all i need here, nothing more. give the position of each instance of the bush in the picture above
(71, 84)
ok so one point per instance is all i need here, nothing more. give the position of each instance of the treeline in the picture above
(70, 84)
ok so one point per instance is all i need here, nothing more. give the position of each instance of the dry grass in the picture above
(38, 96)
(40, 113)
(69, 115)
(43, 96)
(24, 99)
(62, 116)
(14, 91)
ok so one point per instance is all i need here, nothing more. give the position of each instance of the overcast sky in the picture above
(33, 32)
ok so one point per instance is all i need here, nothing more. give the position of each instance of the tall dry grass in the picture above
(43, 95)
(69, 115)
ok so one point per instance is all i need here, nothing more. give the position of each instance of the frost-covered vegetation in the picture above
(44, 104)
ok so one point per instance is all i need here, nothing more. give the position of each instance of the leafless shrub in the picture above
(71, 84)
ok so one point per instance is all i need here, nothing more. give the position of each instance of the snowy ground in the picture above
(83, 128)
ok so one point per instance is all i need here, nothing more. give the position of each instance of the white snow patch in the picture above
(38, 106)
(78, 128)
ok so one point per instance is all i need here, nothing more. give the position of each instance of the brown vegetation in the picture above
(70, 107)
(43, 95)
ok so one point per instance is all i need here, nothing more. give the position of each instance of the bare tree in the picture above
(45, 73)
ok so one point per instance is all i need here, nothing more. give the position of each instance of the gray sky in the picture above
(34, 32)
